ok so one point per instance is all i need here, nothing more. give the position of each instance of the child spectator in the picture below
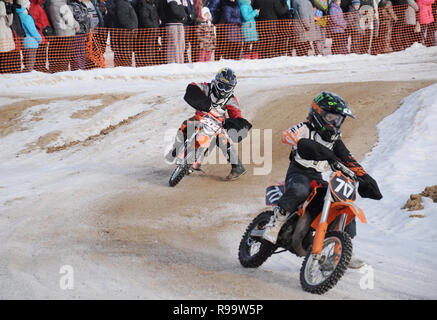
(398, 39)
(337, 27)
(426, 18)
(250, 35)
(32, 39)
(353, 24)
(411, 35)
(206, 35)
(387, 20)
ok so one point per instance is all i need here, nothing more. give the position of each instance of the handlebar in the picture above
(336, 165)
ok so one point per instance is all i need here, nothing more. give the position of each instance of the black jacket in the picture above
(17, 25)
(147, 12)
(191, 13)
(270, 9)
(125, 15)
(174, 11)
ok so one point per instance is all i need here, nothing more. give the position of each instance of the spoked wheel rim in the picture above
(254, 244)
(317, 271)
(253, 250)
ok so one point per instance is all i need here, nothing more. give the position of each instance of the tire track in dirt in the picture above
(10, 114)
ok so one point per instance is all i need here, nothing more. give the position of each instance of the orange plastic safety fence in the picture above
(368, 31)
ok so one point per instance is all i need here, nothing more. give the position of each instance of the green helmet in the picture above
(327, 113)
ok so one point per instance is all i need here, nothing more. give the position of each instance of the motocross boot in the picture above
(237, 171)
(237, 167)
(275, 224)
(171, 155)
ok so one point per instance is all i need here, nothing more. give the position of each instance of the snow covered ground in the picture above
(75, 138)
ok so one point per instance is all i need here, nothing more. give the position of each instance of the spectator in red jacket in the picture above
(426, 20)
(43, 26)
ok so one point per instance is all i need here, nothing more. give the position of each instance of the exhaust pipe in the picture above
(302, 227)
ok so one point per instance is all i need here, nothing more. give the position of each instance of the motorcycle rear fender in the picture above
(342, 207)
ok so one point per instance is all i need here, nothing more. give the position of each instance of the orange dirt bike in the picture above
(199, 138)
(315, 230)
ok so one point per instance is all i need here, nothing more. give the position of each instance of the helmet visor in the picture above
(333, 119)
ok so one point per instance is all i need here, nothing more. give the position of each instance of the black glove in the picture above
(237, 128)
(368, 187)
(195, 97)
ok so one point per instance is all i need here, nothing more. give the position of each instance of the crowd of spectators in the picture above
(55, 35)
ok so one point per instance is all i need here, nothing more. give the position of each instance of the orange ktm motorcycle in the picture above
(315, 231)
(200, 134)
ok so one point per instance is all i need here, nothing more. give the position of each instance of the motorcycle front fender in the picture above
(350, 208)
(342, 207)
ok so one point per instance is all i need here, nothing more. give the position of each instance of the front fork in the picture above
(319, 237)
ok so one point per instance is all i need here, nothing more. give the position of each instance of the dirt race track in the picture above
(164, 242)
(191, 259)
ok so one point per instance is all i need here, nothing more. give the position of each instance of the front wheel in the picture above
(178, 174)
(254, 250)
(320, 275)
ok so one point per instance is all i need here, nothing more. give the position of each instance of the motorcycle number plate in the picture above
(210, 125)
(343, 188)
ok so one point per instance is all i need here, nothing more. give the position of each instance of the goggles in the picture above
(333, 119)
(224, 86)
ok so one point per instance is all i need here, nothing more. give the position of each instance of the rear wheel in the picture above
(254, 250)
(320, 275)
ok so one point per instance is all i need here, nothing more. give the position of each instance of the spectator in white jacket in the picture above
(411, 35)
(7, 44)
(65, 27)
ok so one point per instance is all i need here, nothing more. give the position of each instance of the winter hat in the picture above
(356, 2)
(25, 4)
(205, 10)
